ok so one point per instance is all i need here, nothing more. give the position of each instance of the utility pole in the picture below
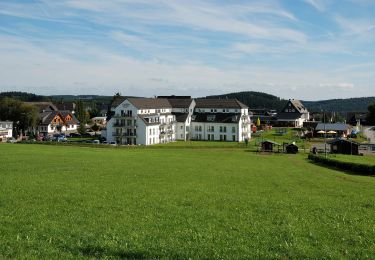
(325, 135)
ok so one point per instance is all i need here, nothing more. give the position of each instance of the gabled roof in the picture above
(117, 101)
(65, 106)
(43, 106)
(66, 113)
(219, 103)
(150, 103)
(181, 117)
(47, 117)
(340, 140)
(297, 105)
(216, 117)
(332, 127)
(180, 103)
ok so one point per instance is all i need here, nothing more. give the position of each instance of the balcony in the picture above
(118, 125)
(126, 116)
(116, 134)
(130, 126)
(133, 135)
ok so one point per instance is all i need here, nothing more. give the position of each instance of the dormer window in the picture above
(211, 118)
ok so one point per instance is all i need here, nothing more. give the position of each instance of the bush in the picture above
(362, 169)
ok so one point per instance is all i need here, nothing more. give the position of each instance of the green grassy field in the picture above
(83, 202)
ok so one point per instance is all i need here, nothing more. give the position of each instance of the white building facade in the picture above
(144, 121)
(6, 130)
(148, 121)
(220, 120)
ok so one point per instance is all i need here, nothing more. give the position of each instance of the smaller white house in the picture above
(293, 114)
(52, 122)
(6, 130)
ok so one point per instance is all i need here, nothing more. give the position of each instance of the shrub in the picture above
(358, 168)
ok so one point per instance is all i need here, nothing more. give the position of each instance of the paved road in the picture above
(370, 134)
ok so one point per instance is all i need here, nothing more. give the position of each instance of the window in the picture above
(233, 129)
(211, 118)
(233, 138)
(150, 131)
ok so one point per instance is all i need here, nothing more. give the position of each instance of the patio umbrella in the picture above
(321, 132)
(331, 132)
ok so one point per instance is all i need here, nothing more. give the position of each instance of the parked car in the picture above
(11, 140)
(75, 135)
(59, 138)
(113, 143)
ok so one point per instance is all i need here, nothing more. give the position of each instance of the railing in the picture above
(118, 125)
(129, 134)
(123, 116)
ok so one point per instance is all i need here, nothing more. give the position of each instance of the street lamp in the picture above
(325, 135)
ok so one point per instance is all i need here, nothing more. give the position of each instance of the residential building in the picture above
(143, 121)
(6, 130)
(183, 109)
(52, 122)
(220, 120)
(293, 114)
(150, 121)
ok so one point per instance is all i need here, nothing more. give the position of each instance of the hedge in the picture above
(357, 168)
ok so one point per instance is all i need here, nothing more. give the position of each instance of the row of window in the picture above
(211, 137)
(211, 128)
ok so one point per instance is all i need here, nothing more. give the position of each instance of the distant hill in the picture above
(252, 99)
(255, 99)
(262, 100)
(341, 105)
(23, 96)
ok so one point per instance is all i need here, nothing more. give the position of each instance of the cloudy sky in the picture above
(306, 49)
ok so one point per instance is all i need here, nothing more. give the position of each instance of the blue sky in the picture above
(305, 49)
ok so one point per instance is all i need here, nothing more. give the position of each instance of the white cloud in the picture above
(319, 5)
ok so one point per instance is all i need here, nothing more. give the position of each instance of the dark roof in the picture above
(271, 142)
(47, 117)
(332, 127)
(65, 106)
(340, 140)
(43, 106)
(180, 103)
(181, 117)
(117, 101)
(149, 103)
(219, 103)
(288, 116)
(216, 117)
(175, 97)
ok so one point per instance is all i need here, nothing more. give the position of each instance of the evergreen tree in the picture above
(371, 115)
(81, 113)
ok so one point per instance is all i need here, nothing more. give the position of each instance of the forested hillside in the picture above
(262, 100)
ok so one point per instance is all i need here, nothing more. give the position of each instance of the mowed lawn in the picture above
(77, 202)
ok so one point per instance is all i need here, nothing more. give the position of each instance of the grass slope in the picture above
(78, 202)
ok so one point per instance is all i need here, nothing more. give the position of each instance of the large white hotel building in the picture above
(149, 121)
